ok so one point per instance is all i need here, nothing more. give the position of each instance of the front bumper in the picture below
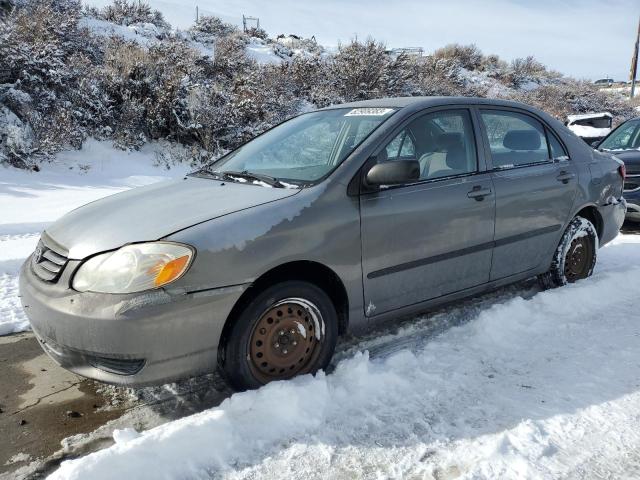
(133, 339)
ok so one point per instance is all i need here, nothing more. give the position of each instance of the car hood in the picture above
(153, 212)
(631, 159)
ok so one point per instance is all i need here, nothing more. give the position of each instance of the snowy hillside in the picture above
(123, 73)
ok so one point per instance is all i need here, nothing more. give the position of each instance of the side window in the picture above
(515, 139)
(401, 147)
(557, 150)
(443, 143)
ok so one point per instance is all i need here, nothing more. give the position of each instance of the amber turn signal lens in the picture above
(171, 270)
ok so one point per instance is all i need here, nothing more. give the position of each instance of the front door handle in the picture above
(479, 193)
(565, 176)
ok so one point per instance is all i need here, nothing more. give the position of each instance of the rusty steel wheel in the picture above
(286, 329)
(286, 340)
(578, 260)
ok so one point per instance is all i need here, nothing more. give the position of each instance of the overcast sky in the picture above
(583, 38)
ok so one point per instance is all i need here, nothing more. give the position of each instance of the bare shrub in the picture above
(212, 26)
(465, 56)
(125, 12)
(359, 69)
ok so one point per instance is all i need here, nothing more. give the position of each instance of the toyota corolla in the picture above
(328, 223)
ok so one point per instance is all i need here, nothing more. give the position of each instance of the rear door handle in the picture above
(565, 176)
(479, 193)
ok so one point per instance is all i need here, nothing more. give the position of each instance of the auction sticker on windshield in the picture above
(378, 112)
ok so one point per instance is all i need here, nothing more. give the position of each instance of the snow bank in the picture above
(261, 52)
(535, 388)
(29, 201)
(144, 34)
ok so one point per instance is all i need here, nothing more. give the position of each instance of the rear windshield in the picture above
(305, 148)
(603, 122)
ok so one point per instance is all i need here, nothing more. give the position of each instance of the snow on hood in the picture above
(154, 211)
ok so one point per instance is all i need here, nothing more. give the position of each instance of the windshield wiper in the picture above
(268, 179)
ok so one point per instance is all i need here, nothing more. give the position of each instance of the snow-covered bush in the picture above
(465, 56)
(125, 12)
(360, 70)
(210, 26)
(525, 70)
(230, 58)
(49, 59)
(257, 33)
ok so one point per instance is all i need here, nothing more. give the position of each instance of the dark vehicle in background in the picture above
(328, 223)
(624, 142)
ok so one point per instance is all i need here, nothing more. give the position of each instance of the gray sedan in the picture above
(328, 223)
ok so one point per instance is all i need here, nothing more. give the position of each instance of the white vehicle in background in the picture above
(591, 127)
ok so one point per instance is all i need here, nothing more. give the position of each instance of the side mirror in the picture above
(595, 143)
(394, 172)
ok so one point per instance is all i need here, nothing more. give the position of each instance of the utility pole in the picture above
(634, 62)
(197, 16)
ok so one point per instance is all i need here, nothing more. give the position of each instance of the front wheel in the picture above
(286, 330)
(575, 257)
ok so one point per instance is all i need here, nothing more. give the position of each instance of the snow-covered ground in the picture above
(29, 201)
(517, 384)
(538, 385)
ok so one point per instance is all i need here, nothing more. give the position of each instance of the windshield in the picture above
(305, 148)
(625, 137)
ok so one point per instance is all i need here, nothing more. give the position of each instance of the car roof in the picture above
(424, 102)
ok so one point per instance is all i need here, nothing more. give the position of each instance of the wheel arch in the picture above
(302, 270)
(591, 213)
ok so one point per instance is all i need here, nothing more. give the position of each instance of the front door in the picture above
(435, 236)
(535, 186)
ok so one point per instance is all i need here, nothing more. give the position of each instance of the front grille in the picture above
(632, 183)
(49, 259)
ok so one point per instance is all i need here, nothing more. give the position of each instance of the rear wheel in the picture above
(575, 257)
(286, 330)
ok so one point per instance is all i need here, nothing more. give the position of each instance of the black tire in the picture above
(575, 257)
(314, 316)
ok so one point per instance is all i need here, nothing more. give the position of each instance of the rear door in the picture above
(535, 185)
(432, 237)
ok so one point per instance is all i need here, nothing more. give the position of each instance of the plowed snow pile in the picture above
(544, 387)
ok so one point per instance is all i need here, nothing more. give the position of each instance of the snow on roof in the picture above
(584, 116)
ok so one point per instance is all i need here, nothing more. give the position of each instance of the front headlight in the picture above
(134, 268)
